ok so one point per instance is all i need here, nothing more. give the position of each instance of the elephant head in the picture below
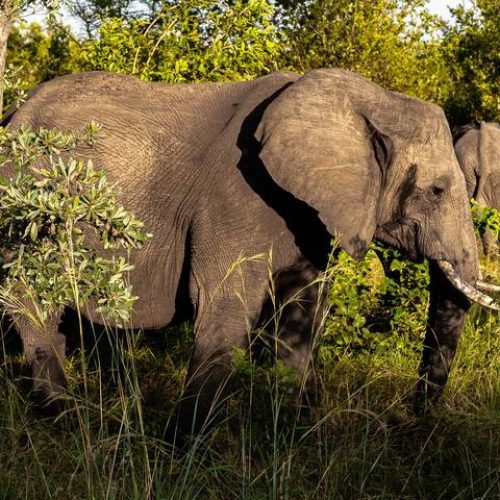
(376, 164)
(477, 147)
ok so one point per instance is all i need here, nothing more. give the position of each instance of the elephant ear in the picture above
(318, 147)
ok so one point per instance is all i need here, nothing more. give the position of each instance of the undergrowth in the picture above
(359, 439)
(355, 437)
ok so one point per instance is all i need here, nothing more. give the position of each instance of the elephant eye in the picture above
(437, 190)
(438, 187)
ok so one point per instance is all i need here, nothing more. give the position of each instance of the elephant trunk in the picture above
(447, 313)
(454, 273)
(450, 297)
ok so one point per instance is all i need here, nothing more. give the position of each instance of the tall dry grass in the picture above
(360, 440)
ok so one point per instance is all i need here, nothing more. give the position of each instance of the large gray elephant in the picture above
(246, 183)
(477, 146)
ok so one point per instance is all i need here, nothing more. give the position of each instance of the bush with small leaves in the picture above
(59, 222)
(372, 311)
(190, 41)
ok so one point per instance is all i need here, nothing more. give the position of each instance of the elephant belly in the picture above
(155, 282)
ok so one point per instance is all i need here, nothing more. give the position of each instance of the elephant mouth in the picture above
(406, 237)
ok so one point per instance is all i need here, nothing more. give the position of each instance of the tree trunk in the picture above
(5, 24)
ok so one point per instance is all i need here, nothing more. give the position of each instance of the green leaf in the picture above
(63, 230)
(33, 231)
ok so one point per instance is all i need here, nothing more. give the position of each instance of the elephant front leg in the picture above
(45, 351)
(210, 370)
(299, 318)
(447, 312)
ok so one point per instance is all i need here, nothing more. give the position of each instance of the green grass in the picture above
(359, 441)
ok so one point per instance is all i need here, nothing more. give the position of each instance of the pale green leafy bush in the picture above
(56, 213)
(189, 40)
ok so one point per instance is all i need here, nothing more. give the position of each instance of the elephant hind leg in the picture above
(226, 323)
(45, 351)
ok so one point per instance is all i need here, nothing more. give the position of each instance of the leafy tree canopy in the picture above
(397, 43)
(471, 49)
(393, 42)
(189, 40)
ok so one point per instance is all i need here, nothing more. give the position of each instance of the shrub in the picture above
(370, 310)
(189, 41)
(55, 214)
(485, 219)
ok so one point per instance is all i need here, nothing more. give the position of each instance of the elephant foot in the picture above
(48, 406)
(199, 413)
(426, 395)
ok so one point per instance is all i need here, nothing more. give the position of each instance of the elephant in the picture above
(477, 146)
(243, 185)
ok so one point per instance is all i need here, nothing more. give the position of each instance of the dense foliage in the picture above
(471, 49)
(393, 42)
(37, 55)
(370, 310)
(189, 40)
(48, 217)
(397, 43)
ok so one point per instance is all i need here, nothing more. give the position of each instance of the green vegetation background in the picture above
(396, 43)
(361, 439)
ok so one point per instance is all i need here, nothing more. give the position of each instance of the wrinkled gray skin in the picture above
(477, 147)
(274, 167)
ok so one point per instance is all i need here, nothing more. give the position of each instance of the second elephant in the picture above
(477, 147)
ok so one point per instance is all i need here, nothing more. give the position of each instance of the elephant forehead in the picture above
(432, 155)
(490, 144)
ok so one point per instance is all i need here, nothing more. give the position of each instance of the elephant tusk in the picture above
(487, 287)
(468, 290)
